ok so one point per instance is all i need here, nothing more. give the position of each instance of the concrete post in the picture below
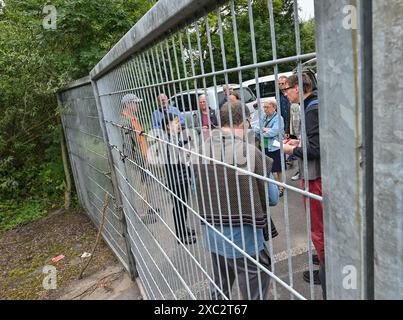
(388, 148)
(344, 51)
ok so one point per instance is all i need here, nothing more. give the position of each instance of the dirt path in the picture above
(26, 250)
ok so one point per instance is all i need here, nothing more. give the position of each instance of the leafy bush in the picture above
(35, 63)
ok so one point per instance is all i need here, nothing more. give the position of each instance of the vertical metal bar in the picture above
(286, 211)
(252, 36)
(213, 152)
(161, 79)
(198, 113)
(367, 106)
(181, 93)
(132, 264)
(156, 81)
(237, 54)
(148, 83)
(304, 142)
(203, 148)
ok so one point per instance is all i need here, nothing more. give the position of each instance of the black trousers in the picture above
(180, 212)
(225, 270)
(322, 277)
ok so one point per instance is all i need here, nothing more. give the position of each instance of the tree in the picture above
(35, 63)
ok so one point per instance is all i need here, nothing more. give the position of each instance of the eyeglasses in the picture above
(286, 89)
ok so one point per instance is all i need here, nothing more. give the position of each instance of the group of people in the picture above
(223, 194)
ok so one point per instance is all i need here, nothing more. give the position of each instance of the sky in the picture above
(307, 9)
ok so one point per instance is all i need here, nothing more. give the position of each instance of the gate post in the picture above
(344, 51)
(388, 148)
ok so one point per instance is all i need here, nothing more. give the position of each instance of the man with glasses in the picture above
(311, 110)
(284, 103)
(285, 109)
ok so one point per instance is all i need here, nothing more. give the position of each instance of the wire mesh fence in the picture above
(180, 245)
(90, 166)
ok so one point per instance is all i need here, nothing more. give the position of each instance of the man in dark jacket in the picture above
(284, 103)
(178, 175)
(293, 147)
(285, 113)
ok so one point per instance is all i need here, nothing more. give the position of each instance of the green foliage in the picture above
(34, 64)
(308, 36)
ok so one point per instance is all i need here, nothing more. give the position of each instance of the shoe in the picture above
(315, 259)
(296, 177)
(187, 240)
(316, 279)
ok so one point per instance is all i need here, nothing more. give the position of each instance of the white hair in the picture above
(273, 102)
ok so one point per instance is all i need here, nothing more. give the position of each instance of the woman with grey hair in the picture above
(272, 129)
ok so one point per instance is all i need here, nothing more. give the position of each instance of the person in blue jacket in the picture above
(272, 131)
(164, 107)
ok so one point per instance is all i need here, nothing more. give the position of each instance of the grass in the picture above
(13, 214)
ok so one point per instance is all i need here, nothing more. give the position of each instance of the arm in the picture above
(275, 130)
(259, 169)
(312, 133)
(181, 118)
(154, 120)
(274, 196)
(213, 119)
